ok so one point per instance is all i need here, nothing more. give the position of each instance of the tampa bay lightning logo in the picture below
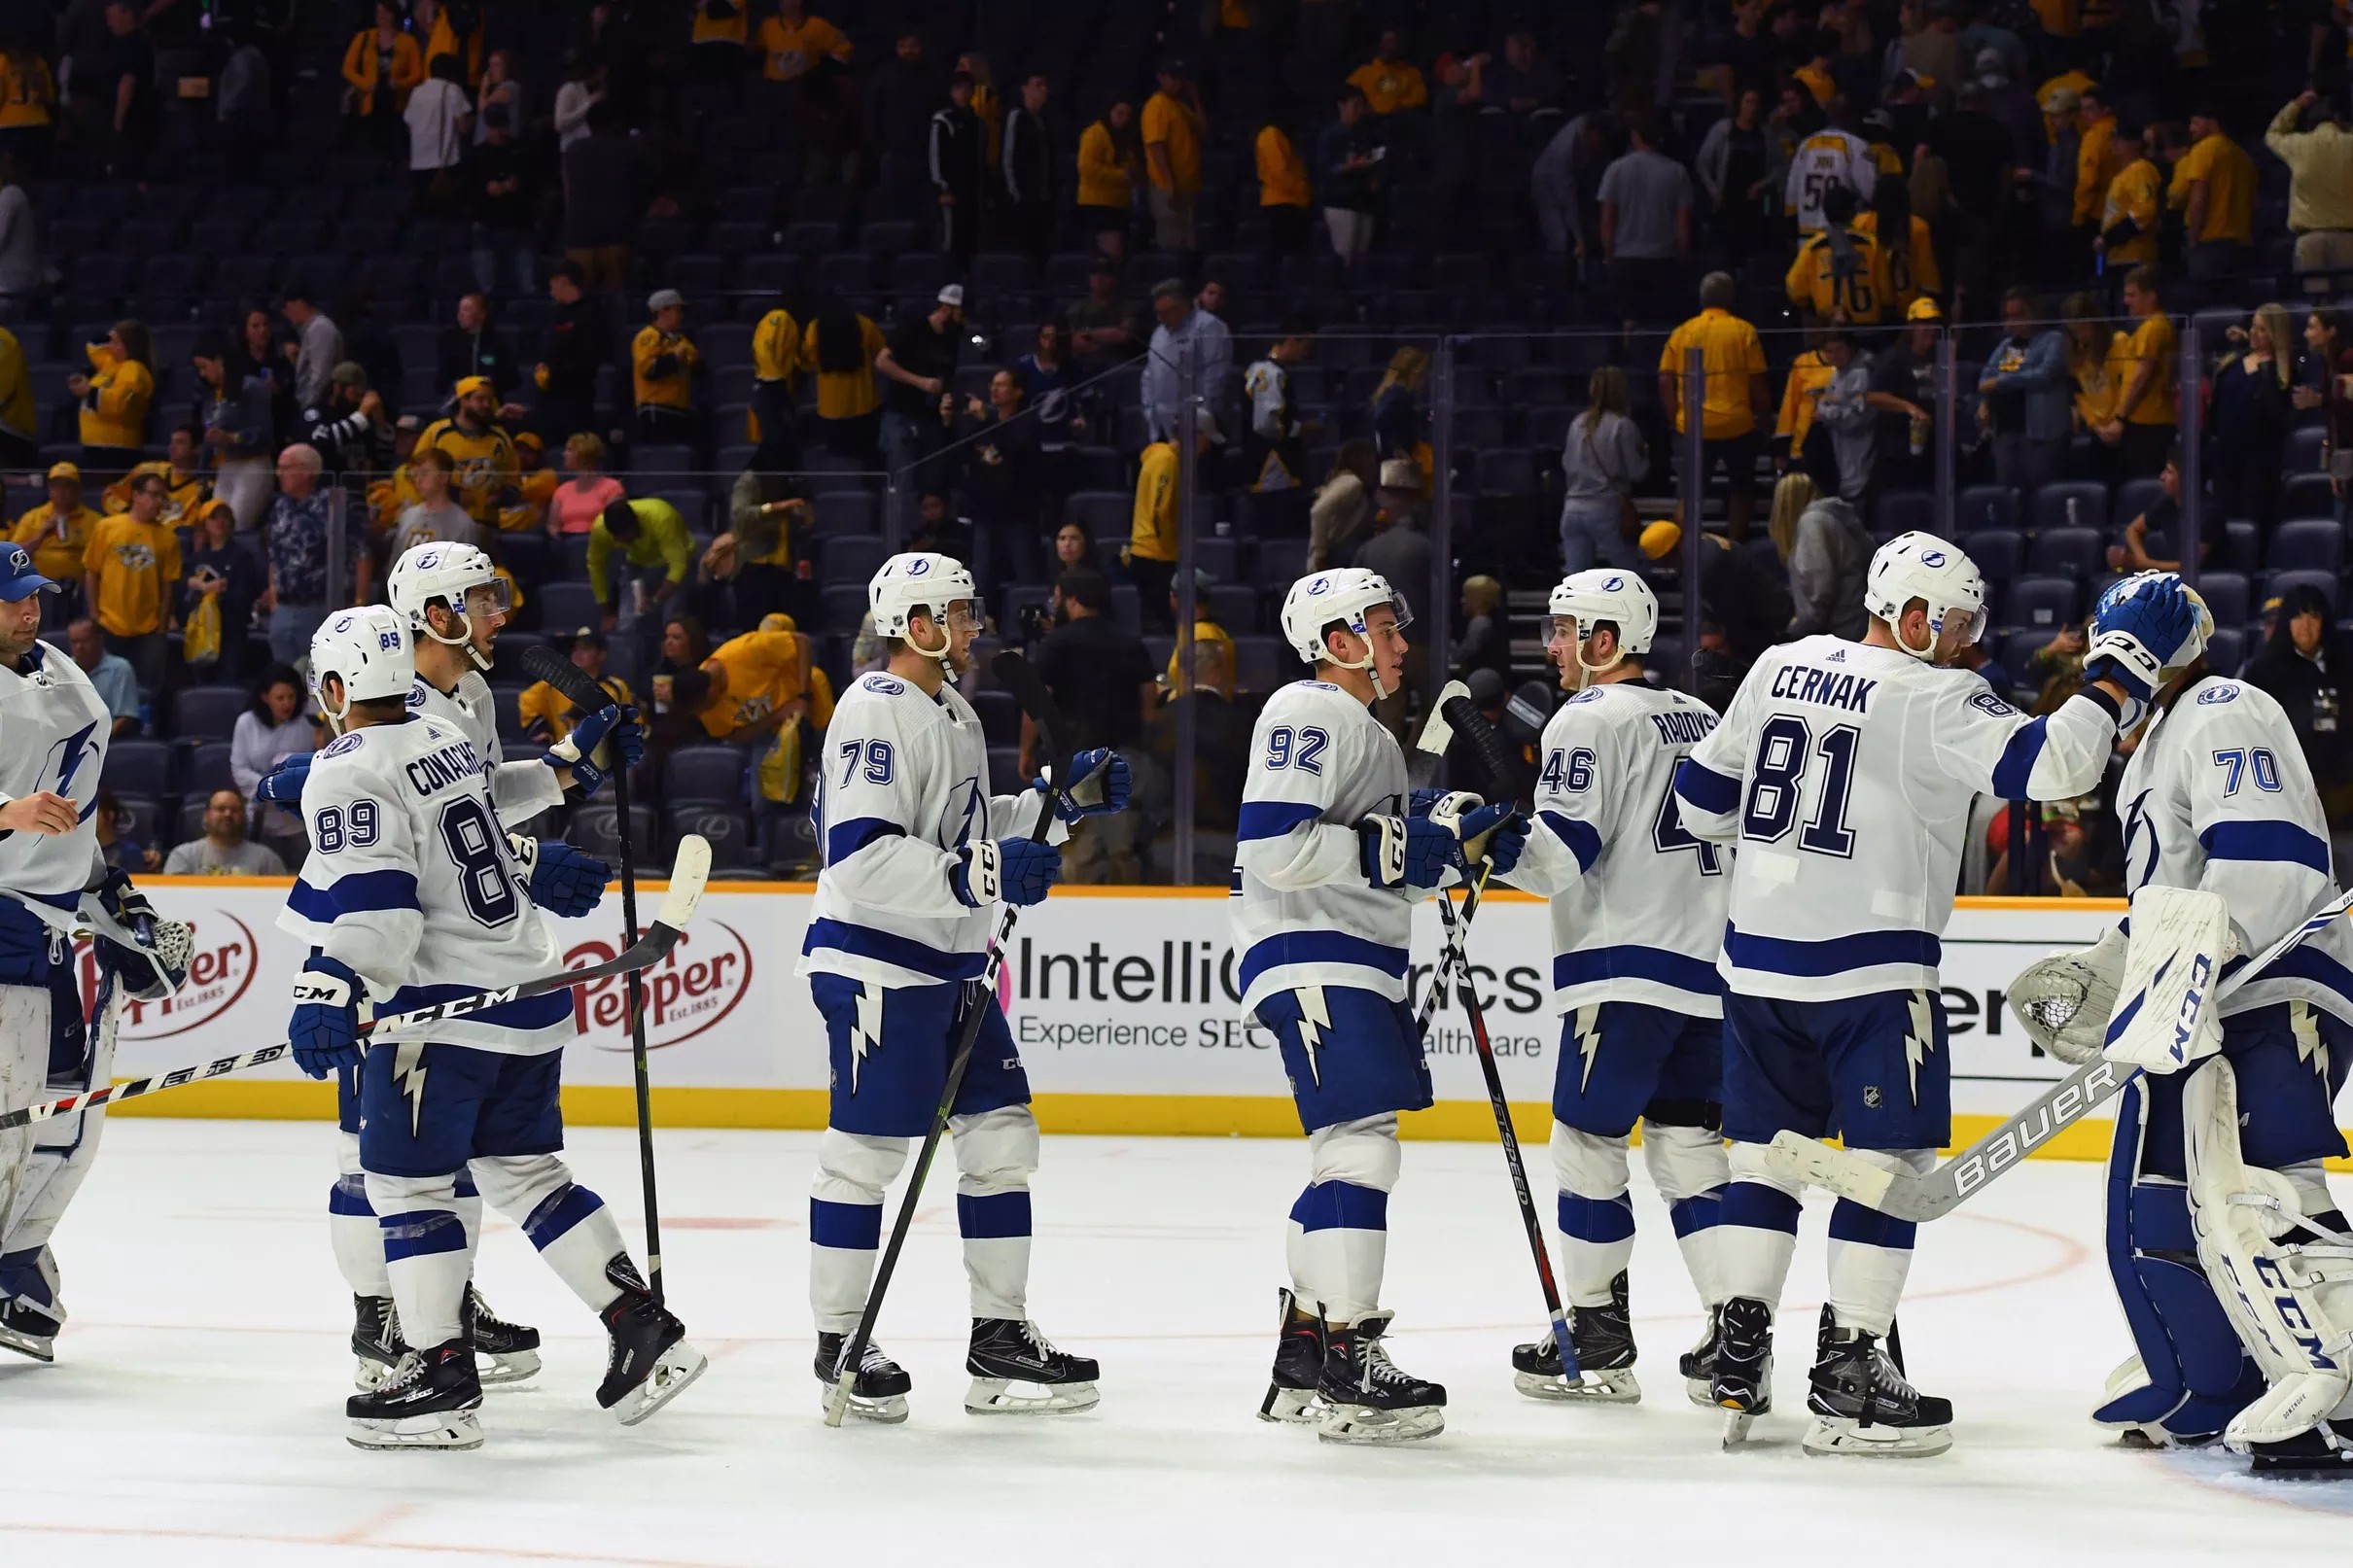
(19, 560)
(2136, 823)
(343, 744)
(416, 692)
(1932, 558)
(917, 568)
(1322, 585)
(883, 684)
(345, 621)
(2218, 694)
(1613, 585)
(428, 561)
(67, 756)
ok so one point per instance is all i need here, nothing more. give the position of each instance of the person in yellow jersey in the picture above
(442, 37)
(839, 349)
(535, 485)
(1735, 393)
(2213, 188)
(18, 420)
(1110, 165)
(1283, 188)
(2128, 212)
(1907, 267)
(2096, 159)
(28, 105)
(1389, 81)
(721, 37)
(116, 397)
(58, 532)
(546, 714)
(793, 43)
(1150, 555)
(777, 361)
(2142, 429)
(662, 363)
(2073, 82)
(1214, 656)
(1172, 129)
(1809, 374)
(478, 449)
(128, 571)
(1838, 271)
(762, 682)
(185, 487)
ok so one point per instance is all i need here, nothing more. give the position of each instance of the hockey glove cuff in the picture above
(1428, 802)
(282, 785)
(1016, 870)
(1406, 852)
(325, 1029)
(562, 879)
(1103, 783)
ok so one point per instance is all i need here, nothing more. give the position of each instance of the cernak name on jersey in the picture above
(1827, 688)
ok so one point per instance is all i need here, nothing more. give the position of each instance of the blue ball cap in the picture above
(18, 577)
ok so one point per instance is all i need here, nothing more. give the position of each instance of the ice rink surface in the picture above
(194, 1414)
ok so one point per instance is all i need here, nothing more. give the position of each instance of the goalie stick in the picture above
(1015, 674)
(686, 880)
(1910, 1196)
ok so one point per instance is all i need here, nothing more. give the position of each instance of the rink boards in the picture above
(1124, 1002)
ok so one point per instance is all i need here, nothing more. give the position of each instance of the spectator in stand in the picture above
(318, 345)
(1284, 193)
(131, 85)
(1602, 458)
(300, 591)
(569, 356)
(109, 674)
(223, 851)
(276, 726)
(2308, 666)
(184, 488)
(1102, 681)
(763, 555)
(662, 365)
(658, 555)
(2154, 528)
(535, 486)
(2252, 406)
(1048, 383)
(1400, 425)
(1350, 164)
(1732, 164)
(1186, 336)
(499, 88)
(583, 89)
(434, 517)
(245, 109)
(1275, 436)
(1004, 479)
(546, 715)
(1526, 83)
(1208, 636)
(1734, 394)
(610, 178)
(480, 449)
(350, 431)
(1221, 740)
(582, 499)
(225, 573)
(58, 532)
(2024, 397)
(842, 348)
(259, 352)
(382, 66)
(900, 100)
(919, 362)
(765, 682)
(1846, 410)
(683, 648)
(2213, 186)
(1904, 390)
(1174, 128)
(2142, 429)
(2311, 138)
(1340, 518)
(23, 279)
(240, 427)
(1485, 642)
(440, 119)
(28, 103)
(113, 824)
(2128, 235)
(499, 203)
(2095, 353)
(776, 366)
(956, 154)
(1106, 330)
(1400, 551)
(1389, 81)
(116, 397)
(1645, 227)
(1110, 160)
(1151, 554)
(2329, 338)
(128, 569)
(792, 43)
(1073, 548)
(1030, 166)
(1826, 551)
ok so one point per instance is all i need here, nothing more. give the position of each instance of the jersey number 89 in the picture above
(480, 850)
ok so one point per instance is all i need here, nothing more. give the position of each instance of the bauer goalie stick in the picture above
(1910, 1196)
(587, 696)
(1015, 674)
(687, 879)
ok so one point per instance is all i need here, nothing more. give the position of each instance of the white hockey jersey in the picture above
(2217, 796)
(905, 786)
(1845, 772)
(1823, 159)
(53, 732)
(411, 884)
(521, 790)
(1637, 900)
(1303, 913)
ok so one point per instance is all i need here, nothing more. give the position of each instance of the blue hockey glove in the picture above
(1015, 870)
(1406, 852)
(1504, 848)
(1103, 782)
(325, 1029)
(562, 879)
(2143, 627)
(576, 750)
(1423, 802)
(282, 785)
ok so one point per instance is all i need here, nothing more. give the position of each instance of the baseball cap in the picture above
(665, 299)
(1924, 309)
(587, 634)
(530, 439)
(2063, 100)
(410, 423)
(953, 295)
(778, 621)
(65, 471)
(1660, 539)
(18, 577)
(469, 385)
(350, 374)
(1402, 474)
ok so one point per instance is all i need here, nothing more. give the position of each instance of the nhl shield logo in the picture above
(1870, 1097)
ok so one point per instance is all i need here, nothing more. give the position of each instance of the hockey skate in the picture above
(28, 1331)
(650, 1363)
(1291, 1390)
(1368, 1400)
(2325, 1451)
(1740, 1383)
(1862, 1404)
(376, 1346)
(428, 1403)
(1699, 1363)
(30, 1314)
(1604, 1341)
(505, 1352)
(1006, 1352)
(879, 1392)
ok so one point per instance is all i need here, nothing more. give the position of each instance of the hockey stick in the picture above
(1455, 712)
(1013, 672)
(589, 697)
(1910, 1196)
(687, 881)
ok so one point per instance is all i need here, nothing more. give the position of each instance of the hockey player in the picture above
(917, 854)
(1845, 771)
(1332, 857)
(454, 603)
(2217, 796)
(53, 732)
(411, 875)
(1637, 912)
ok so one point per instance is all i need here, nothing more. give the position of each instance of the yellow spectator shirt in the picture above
(183, 492)
(1105, 180)
(485, 463)
(2229, 176)
(1809, 374)
(136, 565)
(115, 413)
(546, 712)
(1814, 282)
(59, 541)
(2153, 339)
(1281, 173)
(1205, 632)
(669, 388)
(766, 671)
(2135, 194)
(2096, 164)
(16, 414)
(794, 51)
(1730, 353)
(846, 394)
(1169, 123)
(29, 92)
(1906, 272)
(1152, 532)
(1389, 86)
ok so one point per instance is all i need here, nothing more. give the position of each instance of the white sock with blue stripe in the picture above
(573, 1231)
(1691, 1171)
(845, 1223)
(995, 1151)
(425, 1253)
(351, 1224)
(1596, 1216)
(1342, 1217)
(1757, 1234)
(1871, 1252)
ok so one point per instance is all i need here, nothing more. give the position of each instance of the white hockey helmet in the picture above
(369, 650)
(1920, 565)
(1607, 594)
(2175, 659)
(1343, 594)
(920, 580)
(444, 573)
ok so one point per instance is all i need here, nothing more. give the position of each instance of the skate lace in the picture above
(1378, 1369)
(872, 1359)
(1038, 1341)
(405, 1373)
(1886, 1378)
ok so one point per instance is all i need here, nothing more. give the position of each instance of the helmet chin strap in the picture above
(1369, 664)
(336, 716)
(1928, 654)
(1587, 670)
(947, 642)
(465, 640)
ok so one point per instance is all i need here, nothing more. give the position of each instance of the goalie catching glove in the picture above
(149, 953)
(2064, 1001)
